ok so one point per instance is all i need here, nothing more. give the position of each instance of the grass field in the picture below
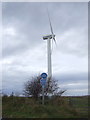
(59, 107)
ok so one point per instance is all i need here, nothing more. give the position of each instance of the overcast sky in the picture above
(25, 51)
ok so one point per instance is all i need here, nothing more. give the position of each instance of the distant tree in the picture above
(4, 95)
(12, 94)
(34, 88)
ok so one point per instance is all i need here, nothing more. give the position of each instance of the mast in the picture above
(49, 58)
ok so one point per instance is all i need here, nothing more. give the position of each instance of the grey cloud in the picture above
(72, 77)
(30, 20)
(13, 80)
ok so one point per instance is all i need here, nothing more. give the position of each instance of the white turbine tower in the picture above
(49, 52)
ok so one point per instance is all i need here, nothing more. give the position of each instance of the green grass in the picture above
(20, 107)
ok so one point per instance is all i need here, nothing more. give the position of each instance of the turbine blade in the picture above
(53, 36)
(54, 40)
(50, 22)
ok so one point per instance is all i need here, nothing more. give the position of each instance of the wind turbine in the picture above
(49, 51)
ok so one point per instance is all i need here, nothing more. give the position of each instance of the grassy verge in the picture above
(20, 107)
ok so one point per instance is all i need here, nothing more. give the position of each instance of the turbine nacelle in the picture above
(48, 36)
